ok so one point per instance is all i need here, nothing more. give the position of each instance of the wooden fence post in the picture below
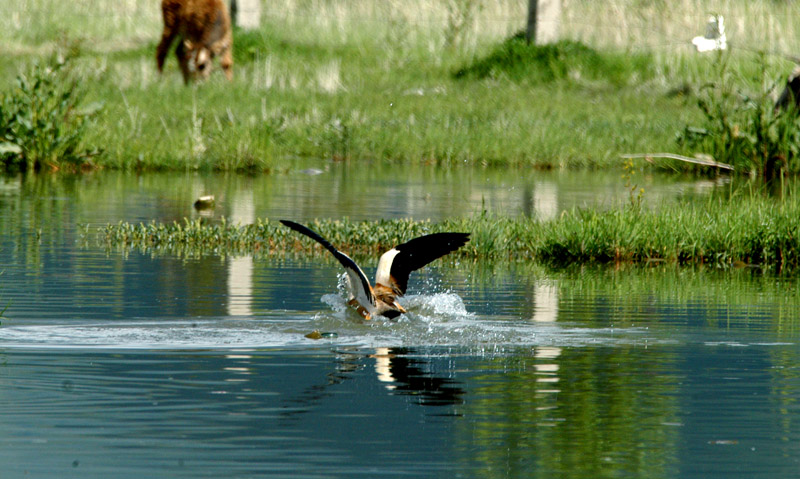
(530, 30)
(246, 13)
(544, 21)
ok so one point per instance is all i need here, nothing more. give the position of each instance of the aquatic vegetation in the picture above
(718, 233)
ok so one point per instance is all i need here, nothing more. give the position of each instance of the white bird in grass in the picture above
(715, 38)
(394, 267)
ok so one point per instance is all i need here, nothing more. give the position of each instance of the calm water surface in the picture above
(131, 364)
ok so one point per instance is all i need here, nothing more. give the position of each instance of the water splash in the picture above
(439, 305)
(433, 306)
(442, 319)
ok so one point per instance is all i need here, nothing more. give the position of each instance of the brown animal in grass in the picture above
(203, 29)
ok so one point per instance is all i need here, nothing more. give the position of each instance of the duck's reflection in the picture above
(308, 399)
(404, 373)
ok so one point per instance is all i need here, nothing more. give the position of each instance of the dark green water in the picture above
(116, 364)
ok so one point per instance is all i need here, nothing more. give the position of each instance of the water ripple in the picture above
(434, 320)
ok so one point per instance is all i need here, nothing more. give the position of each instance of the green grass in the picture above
(41, 123)
(719, 233)
(374, 83)
(340, 107)
(745, 129)
(521, 62)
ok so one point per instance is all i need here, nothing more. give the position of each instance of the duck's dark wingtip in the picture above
(458, 239)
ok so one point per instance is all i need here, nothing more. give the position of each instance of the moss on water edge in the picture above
(718, 234)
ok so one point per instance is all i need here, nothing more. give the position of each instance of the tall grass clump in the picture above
(42, 124)
(745, 129)
(718, 234)
(518, 60)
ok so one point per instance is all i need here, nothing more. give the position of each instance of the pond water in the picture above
(136, 364)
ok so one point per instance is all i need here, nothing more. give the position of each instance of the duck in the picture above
(394, 268)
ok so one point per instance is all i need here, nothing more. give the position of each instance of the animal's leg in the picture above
(184, 53)
(361, 309)
(227, 63)
(168, 11)
(163, 48)
(364, 313)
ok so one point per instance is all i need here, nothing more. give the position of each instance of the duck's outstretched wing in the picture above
(359, 284)
(396, 264)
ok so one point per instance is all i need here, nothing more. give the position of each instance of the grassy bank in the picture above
(718, 233)
(422, 82)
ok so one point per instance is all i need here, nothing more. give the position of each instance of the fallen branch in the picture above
(687, 159)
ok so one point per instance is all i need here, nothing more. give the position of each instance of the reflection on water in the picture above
(205, 415)
(240, 270)
(141, 365)
(406, 374)
(240, 286)
(682, 410)
(545, 299)
(341, 191)
(544, 204)
(605, 417)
